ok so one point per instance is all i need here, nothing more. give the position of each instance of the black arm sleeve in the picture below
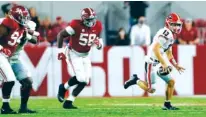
(60, 37)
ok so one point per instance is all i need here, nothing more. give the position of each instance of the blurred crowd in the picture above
(193, 31)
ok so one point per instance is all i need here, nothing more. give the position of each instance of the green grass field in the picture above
(115, 107)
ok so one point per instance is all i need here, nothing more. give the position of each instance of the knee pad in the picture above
(26, 83)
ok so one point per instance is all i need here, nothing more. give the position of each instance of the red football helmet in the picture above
(20, 14)
(174, 23)
(88, 17)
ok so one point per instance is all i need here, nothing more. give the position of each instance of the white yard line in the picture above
(144, 104)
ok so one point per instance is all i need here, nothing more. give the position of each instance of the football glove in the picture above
(98, 42)
(5, 51)
(61, 56)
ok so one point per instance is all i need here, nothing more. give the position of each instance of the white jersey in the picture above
(165, 38)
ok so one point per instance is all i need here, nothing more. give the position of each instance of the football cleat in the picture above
(61, 93)
(131, 81)
(68, 105)
(8, 111)
(26, 111)
(170, 108)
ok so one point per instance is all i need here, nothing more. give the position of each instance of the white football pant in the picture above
(79, 65)
(6, 72)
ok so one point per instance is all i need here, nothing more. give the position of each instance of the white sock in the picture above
(66, 85)
(167, 100)
(5, 100)
(138, 81)
(71, 98)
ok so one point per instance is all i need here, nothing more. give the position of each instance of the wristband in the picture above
(173, 62)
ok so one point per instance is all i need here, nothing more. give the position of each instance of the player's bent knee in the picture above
(27, 83)
(171, 83)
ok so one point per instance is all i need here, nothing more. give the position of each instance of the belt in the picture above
(154, 60)
(78, 53)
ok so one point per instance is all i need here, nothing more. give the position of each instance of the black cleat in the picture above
(26, 111)
(8, 111)
(68, 105)
(168, 106)
(131, 81)
(61, 93)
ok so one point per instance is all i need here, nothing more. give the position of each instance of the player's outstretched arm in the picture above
(60, 37)
(173, 62)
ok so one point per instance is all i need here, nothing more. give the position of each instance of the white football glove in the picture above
(31, 25)
(98, 42)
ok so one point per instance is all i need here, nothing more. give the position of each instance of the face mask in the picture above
(90, 22)
(141, 21)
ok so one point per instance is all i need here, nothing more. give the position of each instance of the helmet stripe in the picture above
(90, 10)
(178, 17)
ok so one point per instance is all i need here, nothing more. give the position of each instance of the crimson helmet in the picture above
(19, 14)
(174, 23)
(88, 17)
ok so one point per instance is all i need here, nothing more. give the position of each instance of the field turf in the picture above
(115, 107)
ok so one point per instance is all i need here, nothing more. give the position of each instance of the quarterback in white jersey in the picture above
(155, 64)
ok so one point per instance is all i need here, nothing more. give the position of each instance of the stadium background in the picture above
(113, 65)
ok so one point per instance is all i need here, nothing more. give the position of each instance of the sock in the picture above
(167, 100)
(137, 81)
(167, 103)
(25, 93)
(6, 92)
(66, 85)
(71, 98)
(5, 103)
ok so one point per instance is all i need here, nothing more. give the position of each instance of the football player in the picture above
(156, 65)
(83, 33)
(12, 29)
(21, 73)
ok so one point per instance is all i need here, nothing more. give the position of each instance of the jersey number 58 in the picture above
(86, 39)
